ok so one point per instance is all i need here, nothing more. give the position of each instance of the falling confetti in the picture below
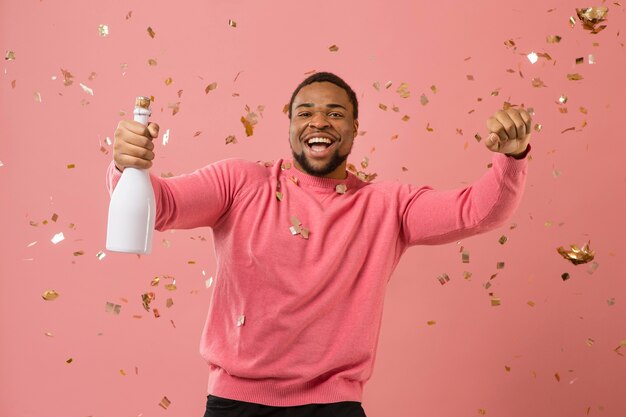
(297, 229)
(147, 299)
(341, 188)
(68, 78)
(175, 107)
(553, 39)
(50, 295)
(423, 99)
(100, 255)
(70, 360)
(565, 276)
(86, 89)
(166, 137)
(536, 82)
(103, 30)
(57, 238)
(444, 278)
(574, 77)
(241, 320)
(431, 322)
(382, 106)
(503, 239)
(165, 402)
(210, 87)
(495, 302)
(333, 48)
(577, 255)
(112, 308)
(403, 90)
(209, 282)
(592, 16)
(532, 57)
(465, 257)
(152, 62)
(9, 56)
(231, 139)
(232, 23)
(151, 32)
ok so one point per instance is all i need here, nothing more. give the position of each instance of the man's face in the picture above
(322, 130)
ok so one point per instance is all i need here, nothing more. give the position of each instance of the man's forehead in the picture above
(322, 93)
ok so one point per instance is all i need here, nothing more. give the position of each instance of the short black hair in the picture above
(320, 77)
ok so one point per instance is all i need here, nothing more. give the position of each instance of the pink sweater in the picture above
(296, 320)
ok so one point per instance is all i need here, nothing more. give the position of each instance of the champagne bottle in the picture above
(132, 209)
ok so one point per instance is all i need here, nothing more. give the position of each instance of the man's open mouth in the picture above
(319, 145)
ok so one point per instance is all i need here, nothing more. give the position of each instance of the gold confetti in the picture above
(279, 196)
(433, 88)
(507, 368)
(531, 303)
(103, 30)
(333, 48)
(610, 302)
(241, 320)
(9, 56)
(365, 162)
(209, 282)
(467, 275)
(231, 139)
(538, 127)
(57, 238)
(70, 360)
(509, 43)
(388, 84)
(500, 265)
(232, 23)
(49, 334)
(428, 128)
(431, 322)
(395, 108)
(590, 342)
(563, 99)
(210, 87)
(376, 85)
(67, 77)
(79, 253)
(112, 308)
(592, 60)
(465, 257)
(580, 60)
(175, 107)
(536, 82)
(577, 255)
(155, 311)
(532, 57)
(165, 402)
(169, 81)
(574, 77)
(423, 99)
(406, 118)
(403, 90)
(50, 295)
(151, 32)
(444, 278)
(592, 16)
(495, 302)
(152, 62)
(503, 239)
(147, 299)
(129, 15)
(565, 276)
(341, 188)
(382, 106)
(557, 376)
(469, 77)
(553, 39)
(482, 412)
(54, 217)
(169, 302)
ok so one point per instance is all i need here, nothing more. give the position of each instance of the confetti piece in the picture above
(557, 376)
(444, 278)
(57, 238)
(592, 268)
(150, 32)
(531, 303)
(467, 275)
(482, 412)
(38, 97)
(333, 48)
(406, 118)
(536, 82)
(433, 88)
(428, 128)
(68, 78)
(175, 107)
(232, 23)
(341, 188)
(279, 196)
(113, 308)
(403, 90)
(507, 368)
(9, 56)
(50, 295)
(209, 282)
(388, 84)
(565, 276)
(231, 139)
(241, 320)
(423, 99)
(532, 57)
(79, 253)
(563, 99)
(210, 87)
(147, 299)
(166, 137)
(610, 302)
(465, 257)
(169, 81)
(577, 255)
(580, 60)
(169, 302)
(103, 30)
(574, 77)
(382, 106)
(469, 77)
(553, 39)
(503, 239)
(49, 334)
(70, 360)
(500, 265)
(592, 16)
(538, 127)
(590, 342)
(431, 322)
(376, 85)
(156, 313)
(165, 402)
(495, 302)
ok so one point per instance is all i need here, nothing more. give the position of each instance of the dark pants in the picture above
(222, 407)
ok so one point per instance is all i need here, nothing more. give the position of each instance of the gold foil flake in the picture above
(423, 99)
(171, 286)
(333, 48)
(68, 78)
(495, 302)
(376, 85)
(510, 43)
(428, 128)
(165, 402)
(563, 99)
(156, 313)
(482, 412)
(152, 62)
(610, 302)
(388, 84)
(122, 372)
(507, 368)
(406, 118)
(341, 188)
(150, 32)
(155, 281)
(591, 59)
(621, 345)
(395, 108)
(431, 322)
(79, 253)
(86, 89)
(394, 137)
(465, 257)
(113, 308)
(382, 106)
(500, 265)
(100, 255)
(210, 87)
(532, 57)
(232, 23)
(175, 107)
(297, 229)
(503, 239)
(467, 275)
(365, 162)
(70, 360)
(209, 282)
(49, 334)
(459, 131)
(103, 30)
(50, 295)
(536, 82)
(478, 137)
(443, 278)
(146, 299)
(166, 137)
(592, 268)
(169, 81)
(294, 179)
(129, 15)
(433, 88)
(286, 165)
(55, 216)
(9, 56)
(590, 341)
(531, 303)
(241, 320)
(231, 139)
(59, 237)
(592, 16)
(580, 60)
(538, 127)
(249, 121)
(469, 77)
(577, 255)
(553, 39)
(169, 302)
(279, 196)
(565, 276)
(574, 77)
(557, 377)
(403, 90)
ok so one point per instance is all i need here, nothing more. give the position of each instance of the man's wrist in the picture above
(520, 155)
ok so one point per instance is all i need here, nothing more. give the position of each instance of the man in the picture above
(305, 249)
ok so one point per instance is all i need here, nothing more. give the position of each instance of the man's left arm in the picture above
(435, 217)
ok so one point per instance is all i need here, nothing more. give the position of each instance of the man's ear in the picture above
(356, 128)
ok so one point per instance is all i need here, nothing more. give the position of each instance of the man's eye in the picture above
(304, 114)
(335, 115)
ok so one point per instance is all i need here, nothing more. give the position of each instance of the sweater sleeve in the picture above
(434, 217)
(192, 200)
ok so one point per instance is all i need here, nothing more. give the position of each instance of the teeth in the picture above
(319, 140)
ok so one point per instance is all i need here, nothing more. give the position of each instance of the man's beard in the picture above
(335, 161)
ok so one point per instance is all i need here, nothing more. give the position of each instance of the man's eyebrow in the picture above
(331, 105)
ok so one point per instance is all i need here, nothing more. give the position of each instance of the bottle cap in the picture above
(143, 102)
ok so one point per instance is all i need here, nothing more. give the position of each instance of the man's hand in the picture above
(509, 131)
(133, 144)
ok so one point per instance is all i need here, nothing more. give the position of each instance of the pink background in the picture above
(477, 359)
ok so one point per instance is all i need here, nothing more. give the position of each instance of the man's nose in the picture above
(319, 120)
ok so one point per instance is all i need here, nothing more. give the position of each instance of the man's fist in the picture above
(509, 131)
(133, 144)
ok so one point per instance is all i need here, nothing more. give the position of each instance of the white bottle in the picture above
(132, 209)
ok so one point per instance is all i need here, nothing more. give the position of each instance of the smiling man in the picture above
(305, 250)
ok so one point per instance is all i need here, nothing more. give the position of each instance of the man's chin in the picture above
(319, 168)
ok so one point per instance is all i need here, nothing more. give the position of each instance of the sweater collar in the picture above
(289, 171)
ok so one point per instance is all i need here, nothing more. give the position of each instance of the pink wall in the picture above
(456, 367)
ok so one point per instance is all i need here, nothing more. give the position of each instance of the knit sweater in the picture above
(297, 303)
